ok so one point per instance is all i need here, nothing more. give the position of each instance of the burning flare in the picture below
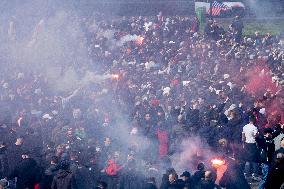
(217, 162)
(220, 166)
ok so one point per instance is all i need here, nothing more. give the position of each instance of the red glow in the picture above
(260, 80)
(220, 166)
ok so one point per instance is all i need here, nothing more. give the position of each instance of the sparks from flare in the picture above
(217, 162)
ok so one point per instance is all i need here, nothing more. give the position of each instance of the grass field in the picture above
(272, 25)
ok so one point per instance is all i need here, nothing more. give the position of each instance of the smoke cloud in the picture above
(191, 152)
(259, 81)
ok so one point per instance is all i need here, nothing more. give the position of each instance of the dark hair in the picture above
(267, 130)
(200, 166)
(251, 118)
(55, 159)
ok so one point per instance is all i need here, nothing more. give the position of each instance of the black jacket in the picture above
(207, 184)
(27, 173)
(267, 148)
(275, 176)
(165, 181)
(197, 176)
(233, 178)
(149, 185)
(187, 184)
(14, 156)
(3, 163)
(130, 179)
(175, 185)
(83, 178)
(48, 175)
(64, 179)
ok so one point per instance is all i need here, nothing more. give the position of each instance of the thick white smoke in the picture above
(191, 152)
(53, 47)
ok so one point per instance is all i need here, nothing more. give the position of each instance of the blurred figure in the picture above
(4, 167)
(208, 182)
(15, 153)
(198, 175)
(237, 27)
(64, 179)
(130, 176)
(209, 30)
(275, 176)
(80, 171)
(195, 24)
(150, 183)
(174, 182)
(49, 173)
(4, 184)
(267, 150)
(281, 149)
(233, 177)
(165, 178)
(112, 171)
(186, 180)
(249, 133)
(27, 172)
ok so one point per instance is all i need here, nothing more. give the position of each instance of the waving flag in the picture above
(217, 7)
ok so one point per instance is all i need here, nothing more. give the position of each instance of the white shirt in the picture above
(250, 131)
(277, 141)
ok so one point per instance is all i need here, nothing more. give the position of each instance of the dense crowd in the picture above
(170, 84)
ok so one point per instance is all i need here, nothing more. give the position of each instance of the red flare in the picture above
(217, 162)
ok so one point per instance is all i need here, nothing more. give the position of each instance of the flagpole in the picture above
(211, 1)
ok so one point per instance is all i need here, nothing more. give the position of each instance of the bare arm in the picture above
(243, 137)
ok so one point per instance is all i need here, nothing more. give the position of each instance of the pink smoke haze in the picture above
(275, 111)
(259, 81)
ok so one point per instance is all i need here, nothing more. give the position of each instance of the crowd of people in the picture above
(170, 83)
